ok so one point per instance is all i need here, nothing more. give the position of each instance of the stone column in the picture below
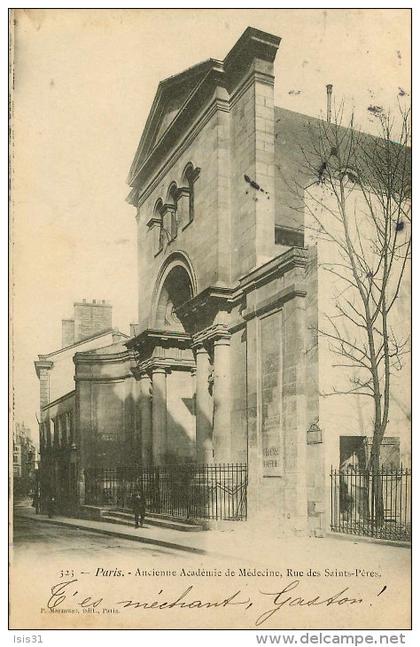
(159, 423)
(222, 400)
(145, 409)
(204, 446)
(295, 498)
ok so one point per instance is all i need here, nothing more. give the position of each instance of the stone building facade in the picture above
(223, 365)
(222, 285)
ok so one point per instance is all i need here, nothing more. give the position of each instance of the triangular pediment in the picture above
(171, 95)
(180, 98)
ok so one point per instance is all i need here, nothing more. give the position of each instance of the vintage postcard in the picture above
(210, 237)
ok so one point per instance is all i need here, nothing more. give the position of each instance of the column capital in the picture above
(200, 348)
(223, 340)
(43, 364)
(211, 334)
(158, 369)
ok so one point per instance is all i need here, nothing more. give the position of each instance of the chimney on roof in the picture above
(329, 96)
(89, 319)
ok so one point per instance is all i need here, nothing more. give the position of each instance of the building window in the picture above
(170, 213)
(155, 225)
(177, 212)
(189, 177)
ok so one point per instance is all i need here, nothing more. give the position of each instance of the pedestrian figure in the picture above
(139, 507)
(36, 501)
(51, 505)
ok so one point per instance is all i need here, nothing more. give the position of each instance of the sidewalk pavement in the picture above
(148, 534)
(238, 543)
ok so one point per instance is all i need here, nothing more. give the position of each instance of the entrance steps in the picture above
(126, 518)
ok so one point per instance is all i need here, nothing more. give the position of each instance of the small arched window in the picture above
(170, 211)
(189, 178)
(157, 225)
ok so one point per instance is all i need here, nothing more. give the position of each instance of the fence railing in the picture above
(189, 491)
(376, 504)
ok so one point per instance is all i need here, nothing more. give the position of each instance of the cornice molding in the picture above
(195, 100)
(169, 86)
(162, 363)
(290, 259)
(138, 196)
(276, 301)
(216, 295)
(114, 358)
(154, 337)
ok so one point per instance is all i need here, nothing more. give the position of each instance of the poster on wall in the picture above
(210, 240)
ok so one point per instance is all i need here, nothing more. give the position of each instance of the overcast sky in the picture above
(84, 83)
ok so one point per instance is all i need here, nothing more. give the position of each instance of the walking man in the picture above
(139, 507)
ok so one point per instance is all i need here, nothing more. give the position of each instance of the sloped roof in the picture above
(104, 333)
(297, 158)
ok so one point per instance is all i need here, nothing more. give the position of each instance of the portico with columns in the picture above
(185, 380)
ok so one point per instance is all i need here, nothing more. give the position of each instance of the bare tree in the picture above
(359, 200)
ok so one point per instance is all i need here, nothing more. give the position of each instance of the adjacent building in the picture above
(64, 400)
(24, 460)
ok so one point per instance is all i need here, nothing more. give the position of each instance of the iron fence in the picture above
(189, 491)
(375, 504)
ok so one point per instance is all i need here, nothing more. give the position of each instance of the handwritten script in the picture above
(265, 604)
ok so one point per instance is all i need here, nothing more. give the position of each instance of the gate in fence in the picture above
(216, 491)
(375, 504)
